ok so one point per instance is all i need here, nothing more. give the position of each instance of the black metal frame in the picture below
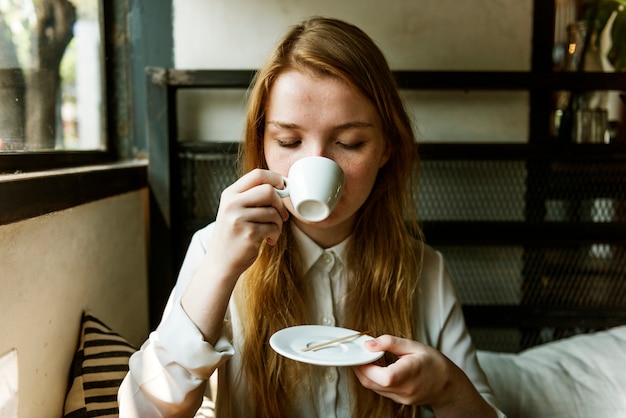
(540, 152)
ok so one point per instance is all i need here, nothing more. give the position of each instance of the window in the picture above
(52, 84)
(80, 148)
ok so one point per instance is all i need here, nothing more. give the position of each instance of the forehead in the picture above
(305, 95)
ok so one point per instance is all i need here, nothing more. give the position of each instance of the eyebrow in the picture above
(283, 125)
(342, 127)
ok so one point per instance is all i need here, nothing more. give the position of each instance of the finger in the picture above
(265, 196)
(277, 203)
(257, 216)
(268, 223)
(399, 371)
(258, 188)
(269, 233)
(394, 345)
(376, 379)
(254, 223)
(258, 177)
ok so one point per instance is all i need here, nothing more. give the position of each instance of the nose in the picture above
(319, 149)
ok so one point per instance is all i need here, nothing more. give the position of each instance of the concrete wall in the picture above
(415, 35)
(89, 257)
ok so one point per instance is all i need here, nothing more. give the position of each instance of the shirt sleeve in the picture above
(445, 324)
(168, 375)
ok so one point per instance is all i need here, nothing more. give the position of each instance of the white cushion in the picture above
(581, 376)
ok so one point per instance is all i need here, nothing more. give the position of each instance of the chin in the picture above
(335, 219)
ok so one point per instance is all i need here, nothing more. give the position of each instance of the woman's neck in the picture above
(326, 237)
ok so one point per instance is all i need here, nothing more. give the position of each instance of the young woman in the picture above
(326, 90)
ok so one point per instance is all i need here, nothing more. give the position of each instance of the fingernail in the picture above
(371, 343)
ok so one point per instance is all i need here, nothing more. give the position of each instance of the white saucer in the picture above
(289, 342)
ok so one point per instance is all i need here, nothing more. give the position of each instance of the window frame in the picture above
(29, 161)
(16, 162)
(35, 183)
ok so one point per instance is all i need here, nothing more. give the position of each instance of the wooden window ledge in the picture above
(27, 195)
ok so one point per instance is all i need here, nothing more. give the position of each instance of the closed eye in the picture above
(354, 146)
(288, 144)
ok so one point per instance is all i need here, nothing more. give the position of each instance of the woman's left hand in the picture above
(422, 376)
(418, 377)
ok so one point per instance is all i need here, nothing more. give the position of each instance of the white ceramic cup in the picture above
(314, 186)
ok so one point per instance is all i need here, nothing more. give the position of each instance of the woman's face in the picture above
(309, 115)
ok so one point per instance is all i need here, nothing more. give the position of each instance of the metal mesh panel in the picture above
(507, 340)
(577, 276)
(453, 190)
(486, 275)
(205, 176)
(586, 275)
(472, 190)
(513, 340)
(593, 192)
(594, 210)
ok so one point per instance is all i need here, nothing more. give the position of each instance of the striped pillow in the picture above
(99, 365)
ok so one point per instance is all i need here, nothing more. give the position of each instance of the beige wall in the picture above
(51, 268)
(414, 35)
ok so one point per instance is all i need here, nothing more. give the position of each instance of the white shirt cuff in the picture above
(178, 340)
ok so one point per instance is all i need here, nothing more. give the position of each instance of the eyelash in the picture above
(351, 146)
(293, 144)
(288, 144)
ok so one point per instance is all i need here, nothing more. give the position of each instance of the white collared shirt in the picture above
(176, 361)
(324, 272)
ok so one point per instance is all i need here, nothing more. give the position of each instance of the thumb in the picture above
(389, 343)
(381, 343)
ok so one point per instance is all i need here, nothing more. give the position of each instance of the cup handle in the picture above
(283, 192)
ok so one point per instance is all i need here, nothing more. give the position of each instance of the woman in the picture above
(326, 90)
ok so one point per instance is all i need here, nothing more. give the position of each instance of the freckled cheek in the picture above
(279, 165)
(358, 185)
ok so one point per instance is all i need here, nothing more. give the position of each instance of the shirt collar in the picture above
(310, 252)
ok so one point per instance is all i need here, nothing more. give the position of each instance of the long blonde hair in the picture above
(384, 258)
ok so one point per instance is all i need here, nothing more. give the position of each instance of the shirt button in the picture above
(328, 320)
(327, 258)
(330, 376)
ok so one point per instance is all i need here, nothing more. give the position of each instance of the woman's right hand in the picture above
(250, 213)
